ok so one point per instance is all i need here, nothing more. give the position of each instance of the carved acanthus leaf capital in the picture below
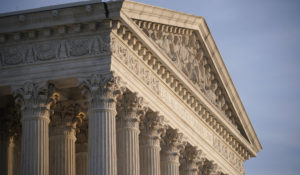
(190, 154)
(128, 107)
(67, 114)
(172, 141)
(82, 132)
(152, 122)
(101, 85)
(35, 97)
(208, 167)
(129, 102)
(152, 128)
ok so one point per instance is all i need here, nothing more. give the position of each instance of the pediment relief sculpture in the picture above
(185, 51)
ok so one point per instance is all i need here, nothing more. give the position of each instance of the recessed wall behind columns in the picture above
(140, 78)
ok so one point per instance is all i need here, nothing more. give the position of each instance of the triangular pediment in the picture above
(188, 46)
(187, 52)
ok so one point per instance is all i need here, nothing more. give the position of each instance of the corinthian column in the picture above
(64, 120)
(171, 146)
(189, 161)
(151, 129)
(82, 149)
(128, 134)
(35, 103)
(102, 153)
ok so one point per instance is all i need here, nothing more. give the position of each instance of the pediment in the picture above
(188, 54)
(184, 42)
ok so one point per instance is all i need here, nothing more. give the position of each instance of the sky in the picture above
(259, 41)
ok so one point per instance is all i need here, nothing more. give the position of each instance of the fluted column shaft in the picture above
(150, 144)
(169, 162)
(35, 144)
(171, 146)
(62, 151)
(128, 151)
(189, 161)
(82, 159)
(35, 99)
(128, 135)
(82, 150)
(168, 168)
(102, 147)
(102, 138)
(17, 157)
(11, 157)
(150, 155)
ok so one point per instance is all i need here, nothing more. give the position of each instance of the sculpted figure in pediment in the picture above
(185, 52)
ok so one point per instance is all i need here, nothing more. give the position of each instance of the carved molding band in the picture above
(55, 50)
(134, 65)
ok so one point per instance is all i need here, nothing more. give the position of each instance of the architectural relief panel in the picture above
(185, 51)
(55, 50)
(134, 65)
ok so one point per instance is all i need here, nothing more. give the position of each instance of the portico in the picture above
(120, 88)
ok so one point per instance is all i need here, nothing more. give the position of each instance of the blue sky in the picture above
(259, 41)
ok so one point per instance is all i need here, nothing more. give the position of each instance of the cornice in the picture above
(51, 16)
(205, 34)
(147, 12)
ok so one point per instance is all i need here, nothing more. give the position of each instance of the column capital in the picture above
(102, 86)
(190, 157)
(208, 167)
(66, 115)
(35, 98)
(82, 137)
(151, 127)
(129, 109)
(172, 144)
(129, 102)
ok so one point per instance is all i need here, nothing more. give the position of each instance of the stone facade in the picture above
(117, 88)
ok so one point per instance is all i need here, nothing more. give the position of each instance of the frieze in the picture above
(203, 131)
(55, 50)
(227, 154)
(134, 65)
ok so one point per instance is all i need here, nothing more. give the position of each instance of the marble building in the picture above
(117, 88)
